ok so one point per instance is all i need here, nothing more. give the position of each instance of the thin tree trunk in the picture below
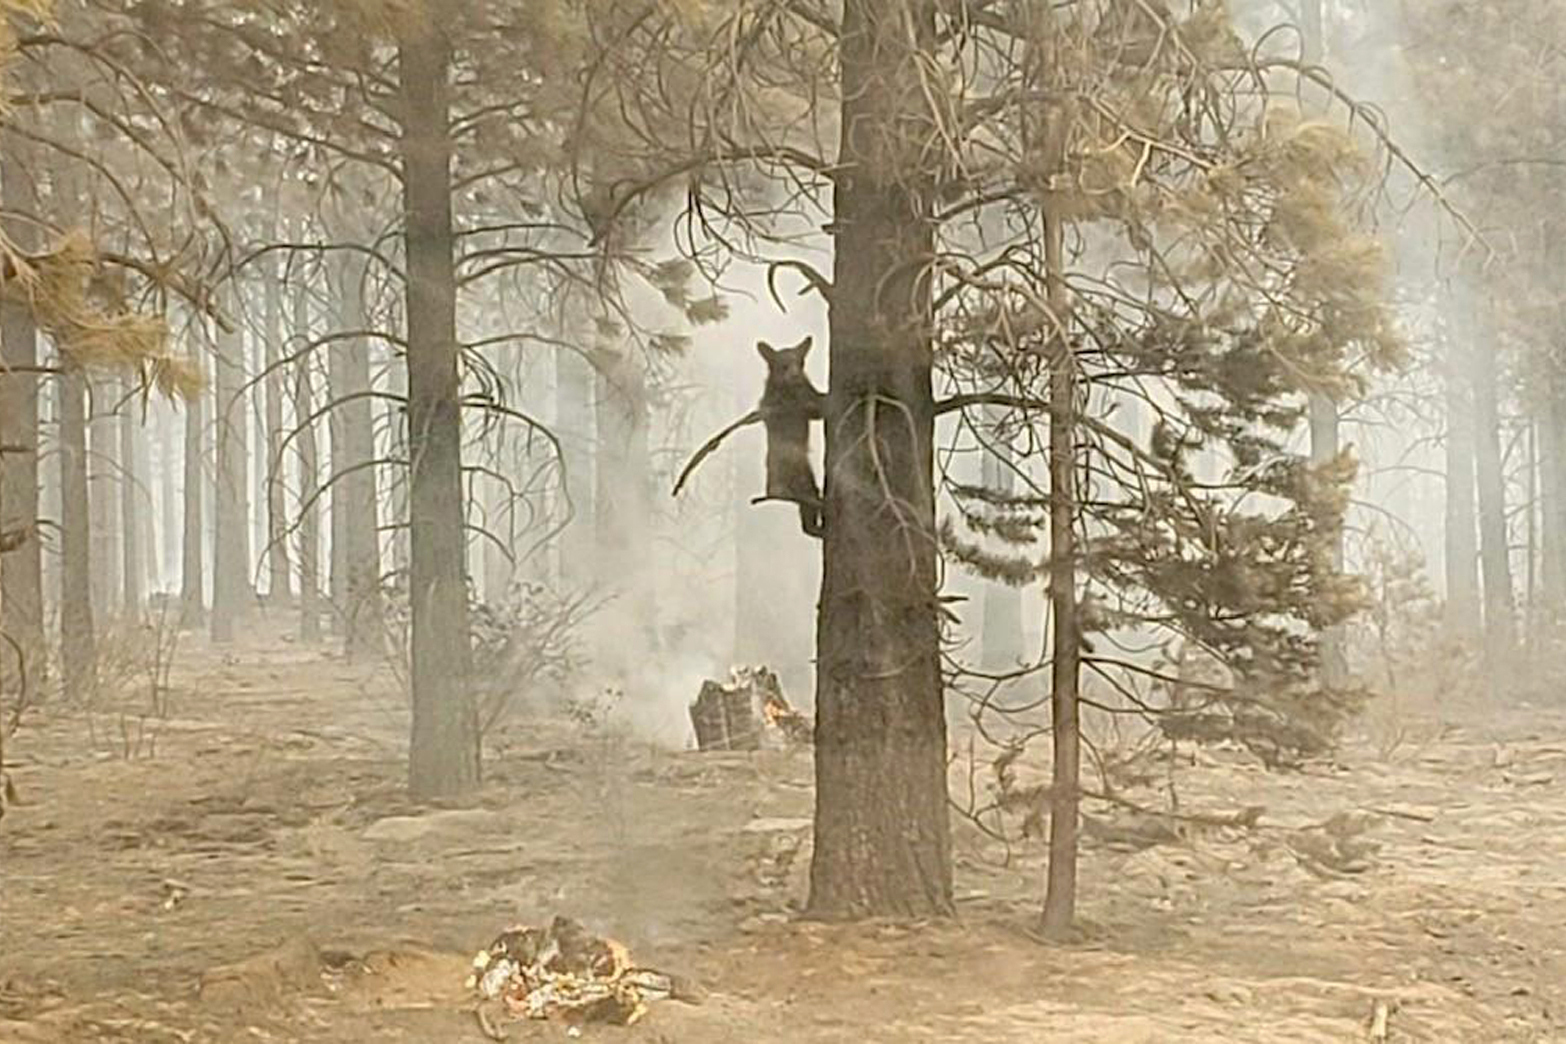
(444, 754)
(22, 607)
(192, 589)
(103, 489)
(882, 832)
(78, 655)
(229, 556)
(1460, 531)
(1060, 899)
(309, 507)
(132, 529)
(168, 491)
(279, 569)
(354, 508)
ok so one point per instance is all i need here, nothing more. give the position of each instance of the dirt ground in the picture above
(1417, 886)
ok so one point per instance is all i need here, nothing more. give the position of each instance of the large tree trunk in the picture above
(444, 756)
(78, 653)
(1460, 530)
(192, 584)
(230, 552)
(132, 520)
(882, 832)
(22, 607)
(103, 488)
(279, 570)
(1500, 626)
(354, 508)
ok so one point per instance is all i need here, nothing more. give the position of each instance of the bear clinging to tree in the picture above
(789, 402)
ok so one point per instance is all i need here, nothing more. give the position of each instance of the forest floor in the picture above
(265, 821)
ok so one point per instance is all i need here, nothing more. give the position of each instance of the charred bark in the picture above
(354, 507)
(444, 755)
(78, 653)
(882, 833)
(1500, 625)
(22, 607)
(192, 595)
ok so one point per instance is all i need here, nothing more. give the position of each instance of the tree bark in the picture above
(230, 555)
(192, 593)
(1060, 898)
(882, 832)
(103, 488)
(309, 507)
(132, 522)
(78, 654)
(22, 607)
(354, 507)
(444, 755)
(279, 569)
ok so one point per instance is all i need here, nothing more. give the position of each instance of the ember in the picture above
(564, 972)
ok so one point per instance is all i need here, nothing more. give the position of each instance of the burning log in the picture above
(749, 712)
(564, 972)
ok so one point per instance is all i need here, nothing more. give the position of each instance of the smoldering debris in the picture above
(748, 712)
(565, 973)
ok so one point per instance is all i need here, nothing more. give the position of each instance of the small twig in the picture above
(711, 446)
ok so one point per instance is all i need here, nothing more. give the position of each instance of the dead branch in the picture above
(711, 445)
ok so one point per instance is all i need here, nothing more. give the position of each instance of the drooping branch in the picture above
(711, 446)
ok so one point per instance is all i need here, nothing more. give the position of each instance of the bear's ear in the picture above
(768, 352)
(803, 347)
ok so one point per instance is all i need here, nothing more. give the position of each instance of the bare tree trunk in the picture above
(168, 488)
(279, 569)
(192, 593)
(78, 653)
(309, 507)
(444, 755)
(22, 608)
(103, 488)
(355, 511)
(1060, 898)
(1461, 533)
(1500, 626)
(230, 557)
(882, 832)
(132, 527)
